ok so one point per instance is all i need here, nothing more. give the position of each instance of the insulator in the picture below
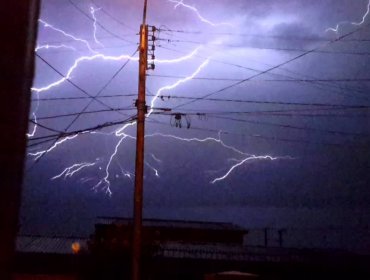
(154, 29)
(153, 57)
(151, 66)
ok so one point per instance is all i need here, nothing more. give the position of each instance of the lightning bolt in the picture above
(128, 175)
(249, 158)
(39, 154)
(47, 46)
(34, 114)
(93, 11)
(107, 58)
(77, 63)
(70, 171)
(175, 85)
(86, 43)
(155, 158)
(337, 27)
(201, 140)
(31, 134)
(120, 132)
(152, 168)
(195, 10)
(105, 183)
(178, 60)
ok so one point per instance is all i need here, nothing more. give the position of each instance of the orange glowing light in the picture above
(76, 247)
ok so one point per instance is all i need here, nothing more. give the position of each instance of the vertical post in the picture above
(17, 65)
(281, 232)
(139, 167)
(266, 236)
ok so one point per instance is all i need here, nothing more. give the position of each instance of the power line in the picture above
(72, 83)
(44, 127)
(62, 134)
(98, 23)
(105, 47)
(216, 115)
(265, 80)
(114, 18)
(294, 38)
(317, 84)
(83, 91)
(66, 40)
(84, 113)
(270, 112)
(275, 114)
(101, 90)
(169, 97)
(304, 128)
(292, 72)
(295, 112)
(193, 98)
(272, 68)
(268, 138)
(268, 48)
(332, 87)
(79, 97)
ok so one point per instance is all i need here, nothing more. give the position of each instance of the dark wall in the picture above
(166, 234)
(18, 25)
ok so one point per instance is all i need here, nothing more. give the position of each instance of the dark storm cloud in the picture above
(295, 30)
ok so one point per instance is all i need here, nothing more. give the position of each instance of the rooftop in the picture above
(48, 245)
(172, 224)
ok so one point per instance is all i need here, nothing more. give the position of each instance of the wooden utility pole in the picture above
(139, 165)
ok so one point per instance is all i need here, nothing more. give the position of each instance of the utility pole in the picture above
(139, 164)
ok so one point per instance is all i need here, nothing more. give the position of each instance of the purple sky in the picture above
(321, 175)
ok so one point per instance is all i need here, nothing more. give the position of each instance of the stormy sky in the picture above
(277, 84)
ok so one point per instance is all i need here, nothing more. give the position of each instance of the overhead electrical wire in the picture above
(287, 112)
(292, 72)
(198, 98)
(86, 93)
(320, 85)
(295, 127)
(165, 98)
(101, 90)
(294, 38)
(84, 113)
(113, 17)
(244, 46)
(61, 134)
(98, 23)
(344, 80)
(71, 82)
(80, 97)
(271, 68)
(273, 138)
(357, 90)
